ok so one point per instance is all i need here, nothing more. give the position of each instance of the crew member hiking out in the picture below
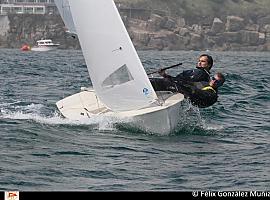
(199, 77)
(205, 96)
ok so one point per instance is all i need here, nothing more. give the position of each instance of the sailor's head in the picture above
(205, 61)
(218, 80)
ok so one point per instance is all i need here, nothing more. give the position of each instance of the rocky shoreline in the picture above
(155, 32)
(164, 33)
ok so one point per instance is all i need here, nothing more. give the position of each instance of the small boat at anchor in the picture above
(45, 45)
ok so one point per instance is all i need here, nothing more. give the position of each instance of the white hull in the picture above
(43, 48)
(159, 119)
(45, 45)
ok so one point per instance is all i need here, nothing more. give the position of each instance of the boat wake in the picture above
(192, 122)
(37, 113)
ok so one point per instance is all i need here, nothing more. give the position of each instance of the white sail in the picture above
(64, 10)
(115, 69)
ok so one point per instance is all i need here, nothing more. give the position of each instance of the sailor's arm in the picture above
(162, 73)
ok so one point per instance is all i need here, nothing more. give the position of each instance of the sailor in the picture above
(204, 97)
(201, 73)
(199, 76)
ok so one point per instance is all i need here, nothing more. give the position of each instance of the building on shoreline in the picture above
(48, 7)
(27, 7)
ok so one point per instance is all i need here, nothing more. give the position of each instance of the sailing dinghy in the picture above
(121, 87)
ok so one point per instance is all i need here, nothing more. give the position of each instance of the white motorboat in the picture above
(45, 45)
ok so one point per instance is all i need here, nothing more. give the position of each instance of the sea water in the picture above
(223, 147)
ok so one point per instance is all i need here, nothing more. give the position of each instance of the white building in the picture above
(27, 7)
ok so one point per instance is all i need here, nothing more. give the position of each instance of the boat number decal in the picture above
(145, 91)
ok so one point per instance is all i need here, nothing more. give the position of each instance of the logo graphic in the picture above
(12, 195)
(145, 91)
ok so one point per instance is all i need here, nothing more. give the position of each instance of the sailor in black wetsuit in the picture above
(199, 76)
(201, 73)
(205, 96)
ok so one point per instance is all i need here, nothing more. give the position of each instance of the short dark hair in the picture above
(209, 59)
(221, 77)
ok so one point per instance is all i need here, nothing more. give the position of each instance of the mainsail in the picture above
(115, 69)
(64, 10)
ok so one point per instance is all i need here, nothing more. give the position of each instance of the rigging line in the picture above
(84, 107)
(97, 101)
(66, 81)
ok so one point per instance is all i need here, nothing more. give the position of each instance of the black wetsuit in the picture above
(198, 77)
(202, 98)
(194, 75)
(185, 83)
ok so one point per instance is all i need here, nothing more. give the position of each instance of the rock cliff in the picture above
(149, 30)
(19, 29)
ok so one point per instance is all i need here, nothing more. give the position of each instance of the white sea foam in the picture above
(213, 127)
(35, 112)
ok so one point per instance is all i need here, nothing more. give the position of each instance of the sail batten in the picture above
(115, 69)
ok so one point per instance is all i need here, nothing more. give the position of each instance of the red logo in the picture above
(12, 195)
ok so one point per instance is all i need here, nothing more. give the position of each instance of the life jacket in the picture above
(209, 88)
(205, 97)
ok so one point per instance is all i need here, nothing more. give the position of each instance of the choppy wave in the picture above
(33, 112)
(223, 147)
